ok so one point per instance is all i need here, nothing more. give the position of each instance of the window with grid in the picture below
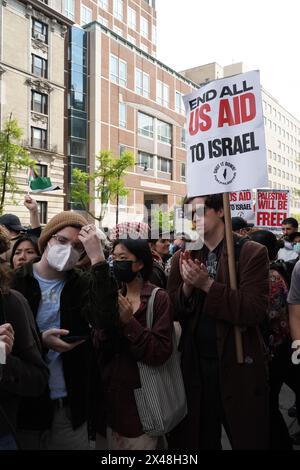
(39, 30)
(103, 4)
(183, 138)
(154, 34)
(38, 138)
(41, 170)
(118, 70)
(39, 102)
(118, 30)
(164, 165)
(142, 83)
(70, 9)
(179, 107)
(103, 21)
(144, 27)
(86, 15)
(122, 115)
(43, 211)
(118, 9)
(131, 18)
(164, 132)
(145, 125)
(182, 172)
(39, 66)
(145, 160)
(162, 93)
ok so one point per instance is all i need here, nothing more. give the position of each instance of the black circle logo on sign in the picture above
(225, 173)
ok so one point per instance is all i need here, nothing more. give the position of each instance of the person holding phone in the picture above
(22, 369)
(65, 302)
(131, 341)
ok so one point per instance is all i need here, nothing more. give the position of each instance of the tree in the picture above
(106, 180)
(12, 157)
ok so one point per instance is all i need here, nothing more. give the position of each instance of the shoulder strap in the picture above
(149, 314)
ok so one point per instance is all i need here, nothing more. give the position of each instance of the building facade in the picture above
(32, 87)
(87, 80)
(135, 104)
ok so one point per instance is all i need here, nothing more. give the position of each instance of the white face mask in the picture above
(62, 257)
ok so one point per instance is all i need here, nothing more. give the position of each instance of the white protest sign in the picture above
(226, 148)
(272, 207)
(241, 205)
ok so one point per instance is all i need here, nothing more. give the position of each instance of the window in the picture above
(41, 170)
(122, 115)
(39, 30)
(122, 149)
(118, 9)
(144, 48)
(145, 125)
(179, 108)
(39, 66)
(182, 171)
(42, 210)
(86, 14)
(39, 102)
(144, 27)
(103, 4)
(162, 93)
(103, 21)
(118, 31)
(164, 132)
(131, 18)
(145, 160)
(142, 83)
(118, 70)
(154, 34)
(183, 138)
(70, 9)
(164, 165)
(38, 138)
(131, 39)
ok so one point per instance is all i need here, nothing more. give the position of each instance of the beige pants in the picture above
(117, 442)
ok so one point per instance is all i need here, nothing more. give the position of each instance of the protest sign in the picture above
(225, 136)
(241, 205)
(272, 207)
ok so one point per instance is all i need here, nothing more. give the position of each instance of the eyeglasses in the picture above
(65, 241)
(191, 214)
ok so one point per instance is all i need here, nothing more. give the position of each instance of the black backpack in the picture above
(285, 268)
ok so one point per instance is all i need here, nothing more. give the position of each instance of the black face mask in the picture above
(123, 271)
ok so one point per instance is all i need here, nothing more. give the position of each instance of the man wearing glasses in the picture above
(65, 303)
(219, 390)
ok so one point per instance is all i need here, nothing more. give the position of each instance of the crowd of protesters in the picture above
(74, 307)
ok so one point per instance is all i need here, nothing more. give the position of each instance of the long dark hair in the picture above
(141, 250)
(24, 238)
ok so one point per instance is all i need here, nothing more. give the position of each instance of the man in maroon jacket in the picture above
(219, 390)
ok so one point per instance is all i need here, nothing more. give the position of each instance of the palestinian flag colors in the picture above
(40, 184)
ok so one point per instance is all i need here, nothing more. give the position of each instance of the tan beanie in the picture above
(59, 221)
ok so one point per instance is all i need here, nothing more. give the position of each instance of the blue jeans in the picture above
(8, 442)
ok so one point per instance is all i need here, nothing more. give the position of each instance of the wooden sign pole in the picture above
(232, 271)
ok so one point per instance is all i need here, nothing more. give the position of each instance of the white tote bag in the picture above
(161, 400)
